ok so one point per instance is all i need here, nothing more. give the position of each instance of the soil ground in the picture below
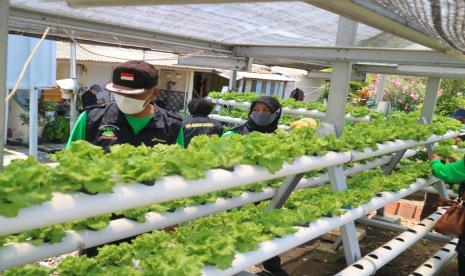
(301, 261)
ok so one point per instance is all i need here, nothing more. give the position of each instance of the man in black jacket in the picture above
(132, 118)
(198, 123)
(89, 98)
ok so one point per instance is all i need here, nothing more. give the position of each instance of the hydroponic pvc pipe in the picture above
(69, 207)
(286, 110)
(356, 168)
(317, 228)
(433, 190)
(376, 259)
(277, 246)
(228, 119)
(378, 202)
(62, 207)
(434, 264)
(394, 146)
(18, 254)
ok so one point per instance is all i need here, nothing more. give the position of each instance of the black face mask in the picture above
(263, 118)
(264, 123)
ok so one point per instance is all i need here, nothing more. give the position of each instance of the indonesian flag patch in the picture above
(127, 76)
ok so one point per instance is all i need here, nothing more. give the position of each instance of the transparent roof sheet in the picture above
(275, 23)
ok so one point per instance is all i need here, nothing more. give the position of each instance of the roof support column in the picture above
(72, 71)
(4, 9)
(340, 77)
(33, 118)
(380, 89)
(429, 102)
(233, 81)
(335, 114)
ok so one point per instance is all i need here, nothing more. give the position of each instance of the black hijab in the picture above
(274, 105)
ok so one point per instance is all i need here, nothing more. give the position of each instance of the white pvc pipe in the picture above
(19, 254)
(62, 207)
(379, 202)
(356, 168)
(73, 206)
(238, 121)
(317, 228)
(376, 259)
(33, 120)
(286, 110)
(398, 145)
(226, 119)
(277, 246)
(433, 190)
(434, 264)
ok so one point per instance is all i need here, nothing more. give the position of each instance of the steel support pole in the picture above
(429, 102)
(337, 101)
(348, 231)
(340, 77)
(380, 89)
(72, 71)
(4, 9)
(233, 80)
(427, 112)
(33, 119)
(284, 191)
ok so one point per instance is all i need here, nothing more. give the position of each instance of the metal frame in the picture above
(399, 228)
(379, 257)
(95, 26)
(351, 54)
(4, 10)
(412, 70)
(232, 63)
(285, 190)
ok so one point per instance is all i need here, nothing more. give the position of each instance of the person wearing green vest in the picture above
(132, 118)
(199, 123)
(453, 172)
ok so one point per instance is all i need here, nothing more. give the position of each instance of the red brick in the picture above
(417, 215)
(391, 209)
(406, 210)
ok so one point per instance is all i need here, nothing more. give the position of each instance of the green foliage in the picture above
(85, 167)
(28, 270)
(24, 183)
(290, 103)
(451, 98)
(405, 93)
(56, 130)
(215, 240)
(47, 105)
(24, 118)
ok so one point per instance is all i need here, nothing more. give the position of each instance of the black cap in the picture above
(133, 77)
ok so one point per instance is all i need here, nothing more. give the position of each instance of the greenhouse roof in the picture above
(216, 29)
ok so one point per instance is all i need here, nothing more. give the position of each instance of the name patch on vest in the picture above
(108, 132)
(158, 140)
(195, 125)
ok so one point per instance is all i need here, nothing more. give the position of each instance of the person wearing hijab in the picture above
(264, 115)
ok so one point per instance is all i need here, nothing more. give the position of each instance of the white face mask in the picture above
(129, 105)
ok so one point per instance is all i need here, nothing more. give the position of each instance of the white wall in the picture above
(177, 76)
(307, 85)
(92, 74)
